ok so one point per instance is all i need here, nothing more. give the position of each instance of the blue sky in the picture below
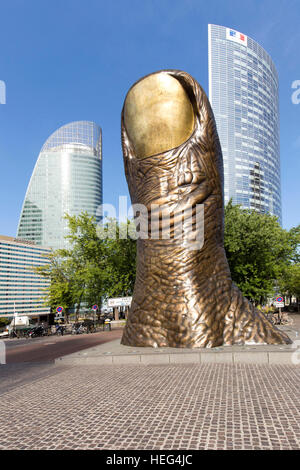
(68, 60)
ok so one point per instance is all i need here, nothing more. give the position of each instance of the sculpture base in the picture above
(114, 353)
(239, 324)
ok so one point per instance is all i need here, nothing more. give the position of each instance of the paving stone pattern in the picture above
(180, 406)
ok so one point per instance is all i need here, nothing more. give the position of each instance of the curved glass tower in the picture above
(67, 178)
(243, 92)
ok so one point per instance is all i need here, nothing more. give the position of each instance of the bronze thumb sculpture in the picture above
(182, 297)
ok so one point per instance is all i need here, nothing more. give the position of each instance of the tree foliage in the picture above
(94, 266)
(60, 274)
(289, 281)
(258, 249)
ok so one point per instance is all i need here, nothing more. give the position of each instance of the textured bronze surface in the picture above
(182, 297)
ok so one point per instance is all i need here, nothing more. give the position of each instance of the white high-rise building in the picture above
(21, 288)
(243, 92)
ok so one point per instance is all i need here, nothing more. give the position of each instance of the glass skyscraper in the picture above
(67, 178)
(243, 92)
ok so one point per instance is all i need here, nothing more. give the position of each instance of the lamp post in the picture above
(14, 329)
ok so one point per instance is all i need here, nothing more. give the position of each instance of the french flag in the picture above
(238, 36)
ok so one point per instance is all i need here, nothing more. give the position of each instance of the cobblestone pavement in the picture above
(205, 406)
(15, 376)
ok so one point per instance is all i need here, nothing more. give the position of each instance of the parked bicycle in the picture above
(60, 330)
(78, 329)
(37, 331)
(13, 334)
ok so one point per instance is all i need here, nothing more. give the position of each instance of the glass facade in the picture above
(243, 92)
(67, 178)
(21, 289)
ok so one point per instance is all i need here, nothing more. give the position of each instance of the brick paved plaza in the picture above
(204, 406)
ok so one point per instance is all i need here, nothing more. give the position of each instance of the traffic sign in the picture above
(59, 309)
(95, 307)
(279, 302)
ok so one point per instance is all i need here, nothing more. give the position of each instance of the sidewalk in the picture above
(175, 406)
(162, 406)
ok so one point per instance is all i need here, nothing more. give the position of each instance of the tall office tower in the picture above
(243, 92)
(67, 178)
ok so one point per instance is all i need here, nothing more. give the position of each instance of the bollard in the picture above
(2, 352)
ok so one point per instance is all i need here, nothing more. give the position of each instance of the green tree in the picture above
(120, 250)
(4, 322)
(61, 276)
(85, 257)
(289, 281)
(97, 264)
(106, 254)
(258, 250)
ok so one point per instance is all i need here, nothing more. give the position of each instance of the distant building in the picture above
(243, 92)
(67, 178)
(21, 288)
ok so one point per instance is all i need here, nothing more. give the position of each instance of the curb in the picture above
(238, 357)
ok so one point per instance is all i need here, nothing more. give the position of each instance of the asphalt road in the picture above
(48, 348)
